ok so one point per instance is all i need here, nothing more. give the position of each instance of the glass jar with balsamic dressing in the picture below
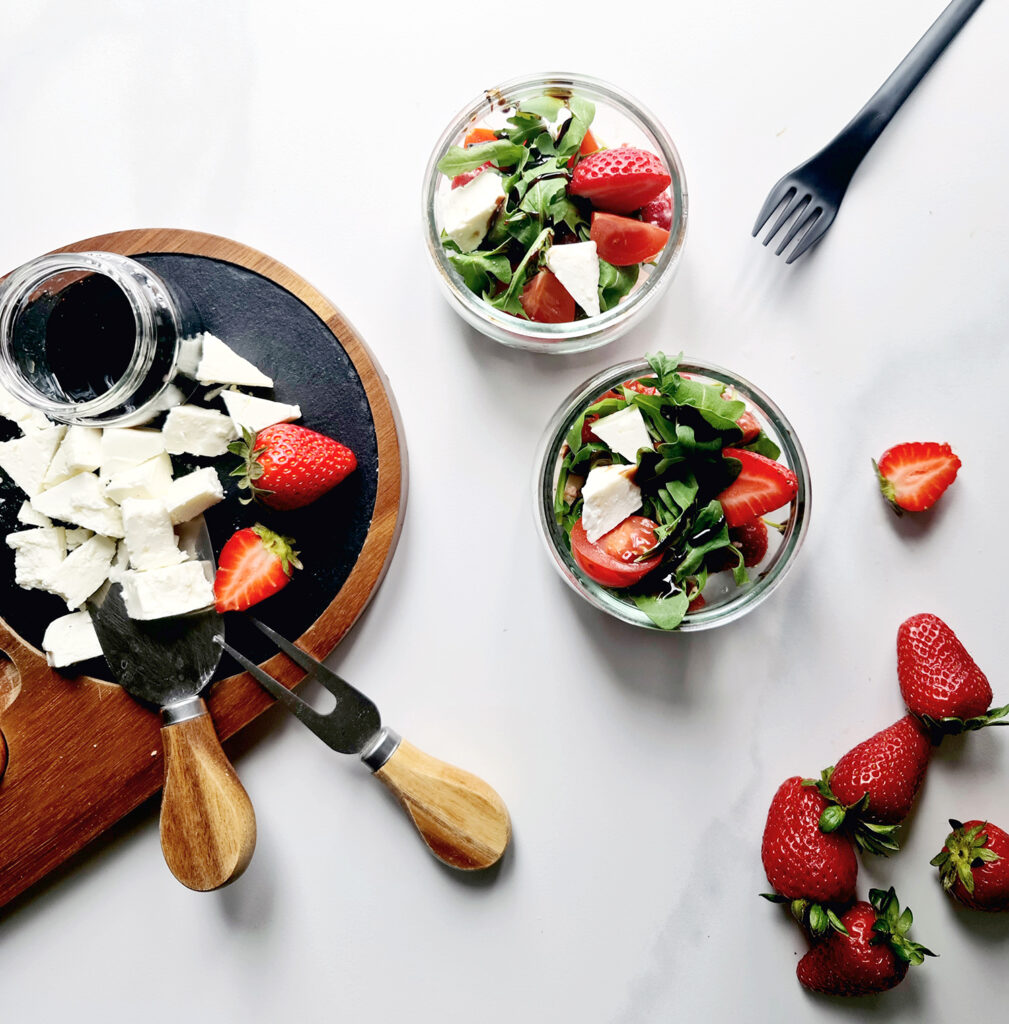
(95, 338)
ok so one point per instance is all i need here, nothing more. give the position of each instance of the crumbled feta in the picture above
(37, 555)
(195, 431)
(120, 563)
(256, 413)
(124, 447)
(30, 516)
(70, 639)
(220, 364)
(81, 500)
(77, 536)
(27, 458)
(466, 211)
(80, 452)
(192, 494)
(576, 266)
(624, 432)
(610, 497)
(83, 571)
(174, 590)
(150, 479)
(149, 535)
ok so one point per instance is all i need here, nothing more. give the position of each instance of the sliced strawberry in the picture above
(762, 486)
(659, 211)
(913, 476)
(620, 180)
(254, 565)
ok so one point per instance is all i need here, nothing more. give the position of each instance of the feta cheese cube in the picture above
(81, 500)
(256, 413)
(150, 479)
(576, 266)
(192, 494)
(77, 536)
(173, 590)
(624, 432)
(120, 563)
(190, 429)
(30, 516)
(149, 535)
(610, 497)
(219, 364)
(466, 212)
(70, 639)
(80, 452)
(26, 459)
(83, 571)
(37, 555)
(124, 447)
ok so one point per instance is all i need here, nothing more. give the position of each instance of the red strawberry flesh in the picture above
(255, 564)
(914, 475)
(762, 486)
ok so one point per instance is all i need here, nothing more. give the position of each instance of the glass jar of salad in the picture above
(94, 338)
(671, 495)
(556, 211)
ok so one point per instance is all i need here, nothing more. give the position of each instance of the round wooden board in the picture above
(82, 752)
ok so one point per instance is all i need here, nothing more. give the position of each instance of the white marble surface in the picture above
(638, 768)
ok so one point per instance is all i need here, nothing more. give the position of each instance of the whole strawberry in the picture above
(974, 865)
(873, 956)
(939, 680)
(804, 864)
(286, 466)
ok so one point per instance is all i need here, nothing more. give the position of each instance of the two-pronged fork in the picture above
(811, 194)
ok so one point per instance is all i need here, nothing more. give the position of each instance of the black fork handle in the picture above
(857, 137)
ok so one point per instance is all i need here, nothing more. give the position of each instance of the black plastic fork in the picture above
(811, 193)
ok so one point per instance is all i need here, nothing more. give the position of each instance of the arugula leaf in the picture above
(477, 268)
(573, 130)
(542, 193)
(707, 400)
(563, 211)
(615, 283)
(583, 109)
(523, 228)
(525, 127)
(459, 159)
(665, 612)
(602, 408)
(665, 370)
(710, 532)
(763, 445)
(509, 300)
(547, 107)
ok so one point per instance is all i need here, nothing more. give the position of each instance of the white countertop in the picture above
(638, 768)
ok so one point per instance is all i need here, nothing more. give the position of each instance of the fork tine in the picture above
(328, 678)
(813, 235)
(805, 220)
(796, 207)
(774, 199)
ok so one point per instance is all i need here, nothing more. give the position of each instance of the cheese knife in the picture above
(208, 826)
(464, 822)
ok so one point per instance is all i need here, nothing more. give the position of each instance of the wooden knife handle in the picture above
(208, 826)
(3, 754)
(463, 821)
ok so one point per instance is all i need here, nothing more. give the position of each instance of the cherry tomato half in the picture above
(546, 300)
(610, 560)
(624, 241)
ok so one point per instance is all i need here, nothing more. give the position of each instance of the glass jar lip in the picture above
(580, 335)
(30, 276)
(600, 597)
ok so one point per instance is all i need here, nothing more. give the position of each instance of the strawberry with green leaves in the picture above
(871, 955)
(974, 865)
(255, 564)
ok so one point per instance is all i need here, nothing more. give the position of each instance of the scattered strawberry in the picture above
(974, 865)
(939, 681)
(913, 476)
(619, 180)
(873, 956)
(659, 211)
(254, 565)
(762, 485)
(286, 466)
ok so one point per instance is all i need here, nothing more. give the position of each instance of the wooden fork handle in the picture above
(463, 821)
(208, 826)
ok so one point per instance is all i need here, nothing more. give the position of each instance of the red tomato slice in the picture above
(588, 146)
(479, 135)
(624, 241)
(546, 300)
(610, 560)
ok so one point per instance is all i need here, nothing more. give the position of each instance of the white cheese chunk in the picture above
(192, 494)
(624, 432)
(124, 447)
(220, 364)
(610, 497)
(37, 555)
(191, 430)
(256, 413)
(83, 571)
(149, 535)
(120, 563)
(70, 639)
(466, 211)
(77, 536)
(81, 500)
(150, 479)
(30, 420)
(26, 459)
(576, 266)
(80, 452)
(174, 590)
(30, 516)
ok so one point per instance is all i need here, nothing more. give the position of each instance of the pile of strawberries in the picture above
(814, 825)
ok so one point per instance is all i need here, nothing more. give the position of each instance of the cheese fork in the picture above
(463, 821)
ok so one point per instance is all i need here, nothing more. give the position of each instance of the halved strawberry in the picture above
(762, 486)
(912, 476)
(254, 565)
(659, 211)
(620, 180)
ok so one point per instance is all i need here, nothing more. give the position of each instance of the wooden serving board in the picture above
(81, 752)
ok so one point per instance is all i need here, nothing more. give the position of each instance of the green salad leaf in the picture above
(477, 269)
(615, 283)
(459, 159)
